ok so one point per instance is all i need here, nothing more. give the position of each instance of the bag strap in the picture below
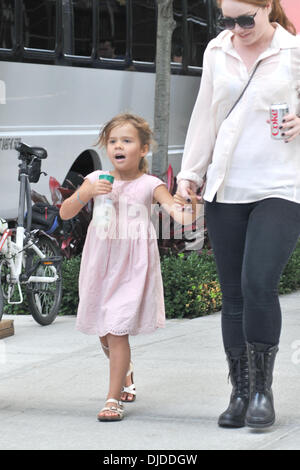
(242, 94)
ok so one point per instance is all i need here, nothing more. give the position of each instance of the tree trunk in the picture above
(165, 27)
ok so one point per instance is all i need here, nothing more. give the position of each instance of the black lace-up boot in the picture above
(234, 416)
(261, 413)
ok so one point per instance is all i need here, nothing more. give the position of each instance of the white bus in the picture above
(67, 66)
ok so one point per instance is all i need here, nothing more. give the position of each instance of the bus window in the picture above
(6, 24)
(83, 27)
(191, 34)
(39, 24)
(178, 33)
(143, 30)
(197, 30)
(112, 30)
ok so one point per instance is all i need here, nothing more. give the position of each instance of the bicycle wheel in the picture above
(4, 270)
(1, 304)
(44, 298)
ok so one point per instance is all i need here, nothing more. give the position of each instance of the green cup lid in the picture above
(109, 178)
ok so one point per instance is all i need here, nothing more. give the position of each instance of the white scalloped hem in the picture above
(144, 331)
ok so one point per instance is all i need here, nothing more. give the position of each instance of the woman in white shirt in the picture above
(252, 189)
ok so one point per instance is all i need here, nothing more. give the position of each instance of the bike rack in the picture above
(11, 289)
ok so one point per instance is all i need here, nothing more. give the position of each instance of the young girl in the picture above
(120, 284)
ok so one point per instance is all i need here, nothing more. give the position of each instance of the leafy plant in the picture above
(191, 286)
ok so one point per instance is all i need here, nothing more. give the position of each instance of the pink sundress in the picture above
(120, 283)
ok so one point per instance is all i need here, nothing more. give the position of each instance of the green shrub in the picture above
(191, 285)
(70, 273)
(290, 278)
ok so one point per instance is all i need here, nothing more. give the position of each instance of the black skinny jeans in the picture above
(252, 243)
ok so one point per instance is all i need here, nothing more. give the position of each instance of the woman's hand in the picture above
(192, 197)
(177, 205)
(183, 185)
(182, 190)
(190, 211)
(290, 128)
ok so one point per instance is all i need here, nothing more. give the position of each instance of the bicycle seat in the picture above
(37, 152)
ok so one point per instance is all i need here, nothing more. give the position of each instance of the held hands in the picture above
(184, 186)
(187, 201)
(290, 127)
(191, 196)
(191, 211)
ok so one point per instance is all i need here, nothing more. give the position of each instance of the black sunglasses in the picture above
(244, 21)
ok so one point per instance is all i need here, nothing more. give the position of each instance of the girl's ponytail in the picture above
(278, 15)
(144, 165)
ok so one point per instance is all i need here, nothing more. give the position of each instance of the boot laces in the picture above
(238, 370)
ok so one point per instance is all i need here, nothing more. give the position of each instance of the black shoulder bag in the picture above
(242, 94)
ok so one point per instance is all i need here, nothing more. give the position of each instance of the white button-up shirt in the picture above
(237, 156)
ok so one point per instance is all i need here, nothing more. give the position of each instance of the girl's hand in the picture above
(100, 187)
(290, 127)
(177, 205)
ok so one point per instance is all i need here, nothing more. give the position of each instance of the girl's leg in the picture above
(125, 396)
(104, 344)
(273, 232)
(119, 358)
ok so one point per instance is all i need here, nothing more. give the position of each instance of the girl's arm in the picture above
(171, 205)
(71, 206)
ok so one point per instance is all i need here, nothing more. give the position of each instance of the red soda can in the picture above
(277, 113)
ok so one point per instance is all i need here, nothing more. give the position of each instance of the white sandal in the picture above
(131, 388)
(118, 410)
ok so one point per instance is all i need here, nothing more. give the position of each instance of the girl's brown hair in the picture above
(277, 14)
(142, 127)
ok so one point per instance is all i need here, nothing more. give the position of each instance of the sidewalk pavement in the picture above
(53, 382)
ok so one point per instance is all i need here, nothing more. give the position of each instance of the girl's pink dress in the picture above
(120, 283)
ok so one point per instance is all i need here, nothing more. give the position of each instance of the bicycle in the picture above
(30, 257)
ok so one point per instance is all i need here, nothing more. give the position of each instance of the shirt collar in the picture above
(282, 39)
